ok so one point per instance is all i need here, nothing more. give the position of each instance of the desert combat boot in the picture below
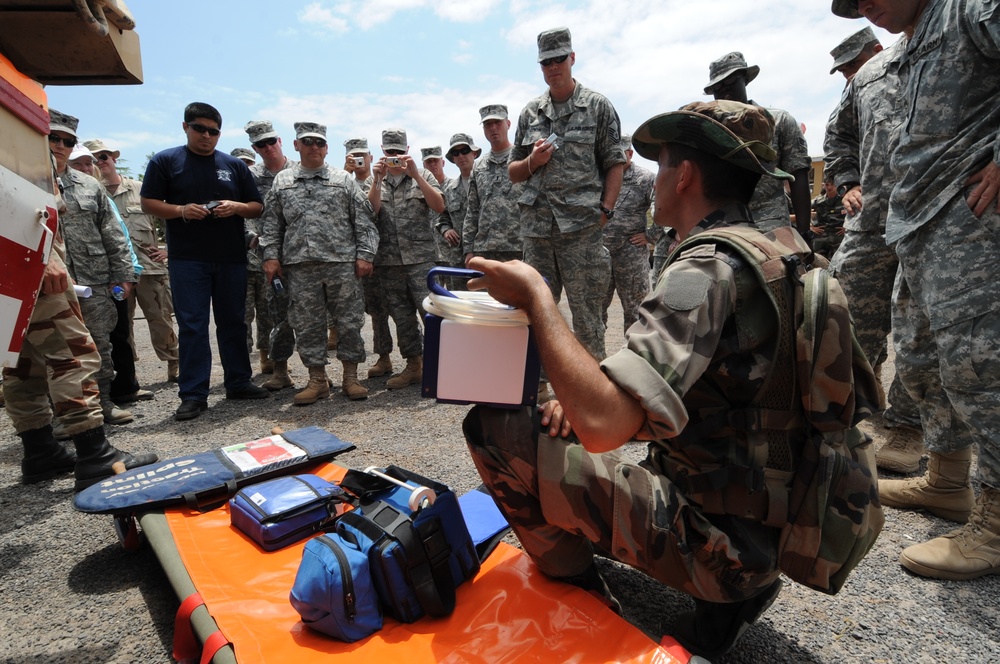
(969, 552)
(902, 451)
(944, 491)
(266, 363)
(381, 368)
(279, 379)
(317, 388)
(350, 385)
(412, 374)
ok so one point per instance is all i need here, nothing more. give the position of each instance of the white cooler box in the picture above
(476, 350)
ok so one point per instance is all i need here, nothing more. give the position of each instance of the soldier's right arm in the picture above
(842, 145)
(272, 222)
(55, 279)
(470, 226)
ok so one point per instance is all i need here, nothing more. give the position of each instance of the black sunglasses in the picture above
(460, 151)
(558, 60)
(260, 145)
(68, 142)
(394, 153)
(202, 129)
(104, 156)
(310, 141)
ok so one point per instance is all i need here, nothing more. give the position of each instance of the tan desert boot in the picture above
(318, 387)
(902, 451)
(173, 370)
(969, 552)
(411, 374)
(266, 364)
(944, 491)
(331, 341)
(279, 379)
(350, 385)
(381, 368)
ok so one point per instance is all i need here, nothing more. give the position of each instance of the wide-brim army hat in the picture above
(705, 126)
(719, 70)
(462, 139)
(847, 50)
(97, 146)
(846, 8)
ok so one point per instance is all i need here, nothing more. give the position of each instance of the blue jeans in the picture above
(196, 286)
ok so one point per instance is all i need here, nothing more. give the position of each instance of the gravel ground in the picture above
(72, 594)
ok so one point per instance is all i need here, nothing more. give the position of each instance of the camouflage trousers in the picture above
(258, 309)
(405, 287)
(946, 330)
(55, 371)
(629, 276)
(152, 294)
(100, 316)
(564, 503)
(377, 307)
(320, 292)
(579, 262)
(282, 338)
(866, 269)
(826, 245)
(502, 256)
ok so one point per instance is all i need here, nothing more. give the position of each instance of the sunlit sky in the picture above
(360, 66)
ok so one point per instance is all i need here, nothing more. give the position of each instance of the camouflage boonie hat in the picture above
(97, 145)
(851, 48)
(259, 130)
(314, 129)
(736, 133)
(356, 146)
(431, 153)
(244, 153)
(846, 8)
(553, 43)
(394, 139)
(462, 139)
(493, 112)
(726, 65)
(63, 122)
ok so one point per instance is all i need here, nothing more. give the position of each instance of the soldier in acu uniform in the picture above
(700, 346)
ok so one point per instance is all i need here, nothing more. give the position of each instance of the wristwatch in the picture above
(846, 187)
(610, 214)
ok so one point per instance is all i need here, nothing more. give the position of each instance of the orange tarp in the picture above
(508, 613)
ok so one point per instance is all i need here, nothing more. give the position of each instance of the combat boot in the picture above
(944, 491)
(969, 552)
(902, 451)
(96, 458)
(115, 415)
(44, 457)
(712, 629)
(318, 387)
(350, 385)
(279, 379)
(411, 374)
(382, 367)
(266, 364)
(173, 370)
(331, 341)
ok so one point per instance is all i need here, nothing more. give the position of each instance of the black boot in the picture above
(95, 457)
(44, 457)
(712, 629)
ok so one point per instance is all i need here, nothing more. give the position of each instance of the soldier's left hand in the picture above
(554, 418)
(639, 239)
(362, 268)
(987, 189)
(126, 286)
(410, 165)
(226, 209)
(452, 237)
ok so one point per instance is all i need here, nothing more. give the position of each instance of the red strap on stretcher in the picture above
(186, 647)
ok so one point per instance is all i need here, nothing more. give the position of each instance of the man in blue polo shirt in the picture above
(205, 195)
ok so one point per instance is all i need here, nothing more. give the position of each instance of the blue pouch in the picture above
(284, 510)
(333, 591)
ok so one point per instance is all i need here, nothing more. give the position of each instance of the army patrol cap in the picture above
(736, 133)
(462, 139)
(430, 153)
(62, 122)
(492, 112)
(726, 65)
(553, 43)
(846, 8)
(245, 154)
(97, 145)
(314, 129)
(394, 139)
(851, 48)
(259, 130)
(356, 146)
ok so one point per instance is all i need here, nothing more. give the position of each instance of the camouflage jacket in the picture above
(141, 226)
(453, 217)
(321, 217)
(404, 222)
(951, 77)
(703, 344)
(571, 183)
(492, 221)
(97, 250)
(633, 203)
(829, 213)
(861, 134)
(769, 204)
(264, 179)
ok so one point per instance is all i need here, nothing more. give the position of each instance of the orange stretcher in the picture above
(236, 596)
